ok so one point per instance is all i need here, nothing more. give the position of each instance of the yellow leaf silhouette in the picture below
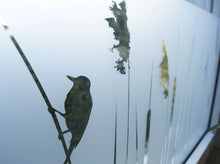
(164, 72)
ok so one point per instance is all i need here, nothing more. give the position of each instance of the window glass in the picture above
(141, 76)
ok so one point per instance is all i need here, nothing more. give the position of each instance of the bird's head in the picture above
(81, 81)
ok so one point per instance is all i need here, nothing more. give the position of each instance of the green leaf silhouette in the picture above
(121, 33)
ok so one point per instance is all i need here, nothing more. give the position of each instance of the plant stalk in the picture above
(39, 87)
(128, 121)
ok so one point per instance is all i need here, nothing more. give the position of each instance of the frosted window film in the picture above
(173, 52)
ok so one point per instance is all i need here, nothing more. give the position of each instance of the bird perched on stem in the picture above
(78, 105)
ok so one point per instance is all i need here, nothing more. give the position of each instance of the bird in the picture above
(78, 106)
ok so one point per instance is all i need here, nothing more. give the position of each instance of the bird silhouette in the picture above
(78, 105)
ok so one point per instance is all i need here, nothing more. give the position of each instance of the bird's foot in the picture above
(60, 136)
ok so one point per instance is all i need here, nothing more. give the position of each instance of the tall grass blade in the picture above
(136, 137)
(115, 147)
(173, 100)
(128, 117)
(148, 121)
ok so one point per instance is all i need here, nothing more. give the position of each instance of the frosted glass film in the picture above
(150, 96)
(216, 8)
(208, 5)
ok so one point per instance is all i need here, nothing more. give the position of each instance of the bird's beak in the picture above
(71, 78)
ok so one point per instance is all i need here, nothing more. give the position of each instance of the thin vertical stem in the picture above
(211, 6)
(39, 87)
(128, 121)
(151, 85)
(149, 112)
(148, 120)
(136, 137)
(115, 148)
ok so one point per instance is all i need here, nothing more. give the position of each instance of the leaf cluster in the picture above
(121, 33)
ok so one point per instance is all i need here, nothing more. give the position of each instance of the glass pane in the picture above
(204, 4)
(216, 8)
(144, 69)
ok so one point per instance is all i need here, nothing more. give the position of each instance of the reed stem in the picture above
(40, 88)
(128, 121)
